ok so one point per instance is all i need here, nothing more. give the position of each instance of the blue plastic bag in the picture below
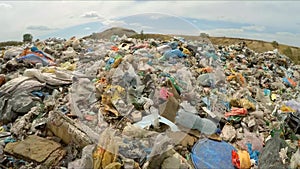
(207, 153)
(35, 59)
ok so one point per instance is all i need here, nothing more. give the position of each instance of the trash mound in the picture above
(132, 103)
(113, 32)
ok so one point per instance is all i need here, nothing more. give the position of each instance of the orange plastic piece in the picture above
(287, 109)
(114, 48)
(238, 77)
(292, 82)
(102, 80)
(232, 55)
(241, 78)
(207, 69)
(229, 78)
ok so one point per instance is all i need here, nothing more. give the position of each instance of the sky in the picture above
(263, 20)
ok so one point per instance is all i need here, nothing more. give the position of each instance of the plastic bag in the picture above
(207, 153)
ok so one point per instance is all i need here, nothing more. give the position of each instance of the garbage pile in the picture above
(131, 103)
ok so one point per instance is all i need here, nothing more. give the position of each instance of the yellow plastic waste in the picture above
(2, 129)
(286, 109)
(48, 70)
(68, 66)
(114, 165)
(116, 63)
(111, 93)
(237, 77)
(245, 103)
(242, 103)
(273, 97)
(186, 51)
(244, 159)
(105, 154)
(116, 91)
(2, 53)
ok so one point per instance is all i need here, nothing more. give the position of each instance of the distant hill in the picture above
(106, 34)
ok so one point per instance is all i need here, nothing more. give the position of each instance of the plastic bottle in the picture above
(193, 121)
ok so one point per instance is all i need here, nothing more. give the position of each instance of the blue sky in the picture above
(264, 20)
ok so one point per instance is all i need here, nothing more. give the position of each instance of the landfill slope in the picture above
(132, 101)
(293, 52)
(256, 45)
(106, 34)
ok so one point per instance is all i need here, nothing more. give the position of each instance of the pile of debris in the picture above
(131, 103)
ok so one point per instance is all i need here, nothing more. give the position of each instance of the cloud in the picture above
(254, 28)
(156, 16)
(4, 5)
(112, 22)
(87, 28)
(39, 28)
(285, 33)
(257, 15)
(91, 14)
(138, 25)
(222, 32)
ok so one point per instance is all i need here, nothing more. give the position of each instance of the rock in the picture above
(228, 133)
(36, 149)
(23, 124)
(251, 123)
(258, 114)
(171, 162)
(270, 156)
(136, 116)
(296, 74)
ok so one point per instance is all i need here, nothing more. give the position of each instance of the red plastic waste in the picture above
(114, 48)
(237, 112)
(235, 159)
(164, 93)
